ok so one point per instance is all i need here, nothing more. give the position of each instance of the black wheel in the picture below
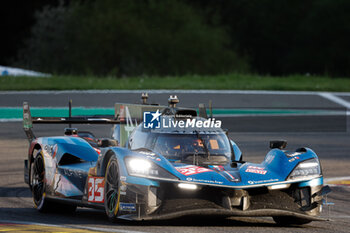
(38, 186)
(37, 182)
(286, 220)
(112, 194)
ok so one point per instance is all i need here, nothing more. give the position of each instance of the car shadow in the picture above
(15, 192)
(91, 217)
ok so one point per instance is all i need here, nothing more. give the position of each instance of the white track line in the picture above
(335, 99)
(72, 227)
(11, 120)
(342, 93)
(339, 101)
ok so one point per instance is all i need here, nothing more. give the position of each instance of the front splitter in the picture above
(224, 213)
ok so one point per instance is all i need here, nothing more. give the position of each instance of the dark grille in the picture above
(174, 205)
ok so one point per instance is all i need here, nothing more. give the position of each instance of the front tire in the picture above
(112, 191)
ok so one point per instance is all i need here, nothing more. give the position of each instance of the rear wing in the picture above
(28, 120)
(125, 119)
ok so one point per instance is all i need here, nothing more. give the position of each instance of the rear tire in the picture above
(112, 192)
(287, 220)
(37, 183)
(38, 187)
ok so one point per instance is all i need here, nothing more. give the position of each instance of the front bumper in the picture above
(167, 200)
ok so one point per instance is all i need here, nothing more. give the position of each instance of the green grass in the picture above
(220, 82)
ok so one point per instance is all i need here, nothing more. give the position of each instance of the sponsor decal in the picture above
(150, 155)
(192, 170)
(146, 153)
(154, 158)
(127, 207)
(151, 120)
(293, 159)
(257, 170)
(96, 189)
(204, 181)
(229, 176)
(293, 154)
(218, 168)
(261, 181)
(51, 150)
(71, 172)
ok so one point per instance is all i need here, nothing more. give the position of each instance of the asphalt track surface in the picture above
(331, 143)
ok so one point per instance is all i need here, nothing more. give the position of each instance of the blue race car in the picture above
(164, 162)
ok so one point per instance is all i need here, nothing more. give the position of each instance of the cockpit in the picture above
(192, 147)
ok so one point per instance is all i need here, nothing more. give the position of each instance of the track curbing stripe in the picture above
(78, 227)
(338, 181)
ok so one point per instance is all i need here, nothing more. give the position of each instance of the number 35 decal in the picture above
(96, 189)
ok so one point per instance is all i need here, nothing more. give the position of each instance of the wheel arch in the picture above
(108, 155)
(34, 147)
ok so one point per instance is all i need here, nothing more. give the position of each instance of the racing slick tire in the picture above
(287, 220)
(37, 182)
(112, 189)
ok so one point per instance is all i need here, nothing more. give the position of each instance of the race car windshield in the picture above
(193, 148)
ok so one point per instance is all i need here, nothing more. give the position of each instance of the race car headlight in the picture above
(306, 169)
(144, 168)
(139, 166)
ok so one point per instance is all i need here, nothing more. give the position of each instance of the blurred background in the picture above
(176, 37)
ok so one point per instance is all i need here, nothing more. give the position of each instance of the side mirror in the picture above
(237, 154)
(280, 144)
(70, 131)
